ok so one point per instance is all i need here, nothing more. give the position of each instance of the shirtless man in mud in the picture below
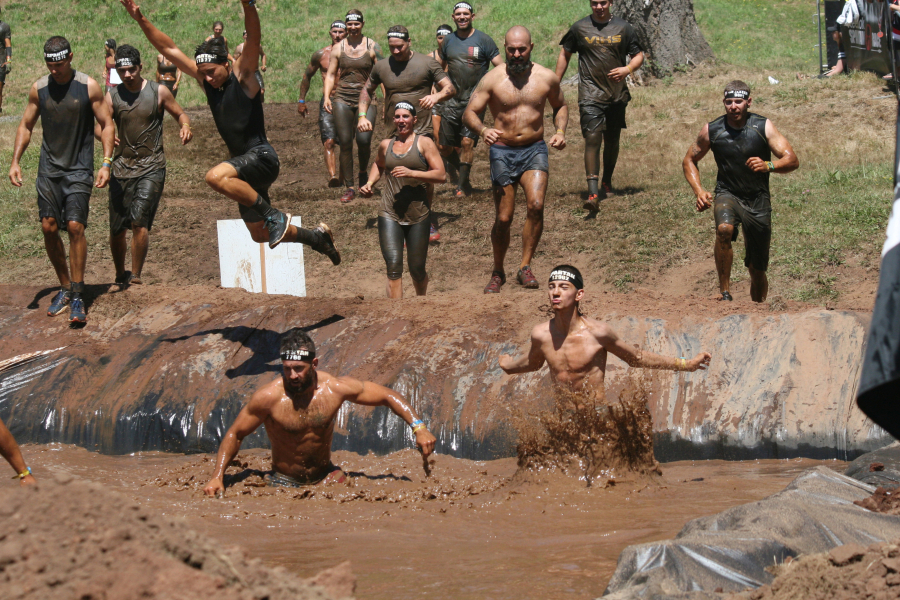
(575, 347)
(299, 411)
(516, 93)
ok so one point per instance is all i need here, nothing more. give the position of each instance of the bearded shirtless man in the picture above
(299, 411)
(516, 93)
(575, 347)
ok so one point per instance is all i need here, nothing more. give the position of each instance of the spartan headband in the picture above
(399, 35)
(339, 25)
(444, 32)
(121, 63)
(201, 59)
(56, 56)
(301, 355)
(465, 5)
(406, 106)
(739, 94)
(354, 18)
(563, 275)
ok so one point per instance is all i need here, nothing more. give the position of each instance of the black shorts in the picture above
(508, 163)
(65, 198)
(171, 86)
(3, 72)
(259, 167)
(452, 128)
(133, 201)
(326, 124)
(756, 223)
(601, 117)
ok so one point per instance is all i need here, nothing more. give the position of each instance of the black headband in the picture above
(739, 94)
(201, 59)
(405, 106)
(301, 355)
(56, 56)
(399, 35)
(564, 275)
(459, 5)
(339, 25)
(123, 62)
(444, 32)
(353, 18)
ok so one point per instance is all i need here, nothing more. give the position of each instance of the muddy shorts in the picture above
(437, 110)
(326, 124)
(3, 72)
(133, 201)
(276, 479)
(65, 198)
(259, 167)
(508, 163)
(600, 117)
(756, 223)
(452, 128)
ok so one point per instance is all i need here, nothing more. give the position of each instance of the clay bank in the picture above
(168, 369)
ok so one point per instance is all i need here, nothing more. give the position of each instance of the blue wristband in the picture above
(417, 422)
(301, 101)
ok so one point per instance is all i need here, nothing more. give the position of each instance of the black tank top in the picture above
(68, 122)
(238, 118)
(731, 149)
(167, 69)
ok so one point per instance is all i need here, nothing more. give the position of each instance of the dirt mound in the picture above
(883, 500)
(74, 539)
(848, 572)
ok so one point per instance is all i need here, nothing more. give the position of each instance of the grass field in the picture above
(829, 216)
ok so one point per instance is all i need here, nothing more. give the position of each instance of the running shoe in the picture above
(493, 286)
(433, 235)
(60, 301)
(592, 203)
(527, 278)
(606, 191)
(463, 190)
(348, 196)
(727, 296)
(135, 279)
(77, 312)
(326, 246)
(277, 225)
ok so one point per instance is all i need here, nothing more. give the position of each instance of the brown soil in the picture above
(849, 572)
(68, 539)
(882, 500)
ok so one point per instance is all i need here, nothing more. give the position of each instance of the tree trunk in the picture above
(667, 31)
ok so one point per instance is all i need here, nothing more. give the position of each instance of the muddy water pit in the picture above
(472, 530)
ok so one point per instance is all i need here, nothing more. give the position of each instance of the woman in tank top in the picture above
(410, 165)
(167, 74)
(348, 69)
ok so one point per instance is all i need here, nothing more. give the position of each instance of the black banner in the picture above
(868, 41)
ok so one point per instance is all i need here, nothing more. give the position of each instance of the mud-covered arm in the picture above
(694, 155)
(527, 363)
(161, 41)
(247, 421)
(635, 357)
(9, 449)
(376, 170)
(365, 99)
(103, 115)
(367, 393)
(331, 76)
(98, 131)
(557, 101)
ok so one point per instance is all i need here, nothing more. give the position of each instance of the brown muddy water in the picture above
(470, 530)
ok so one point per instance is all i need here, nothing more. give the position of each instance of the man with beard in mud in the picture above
(299, 411)
(234, 99)
(9, 450)
(327, 131)
(575, 347)
(516, 94)
(742, 144)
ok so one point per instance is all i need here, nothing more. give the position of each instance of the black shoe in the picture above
(326, 245)
(727, 296)
(277, 225)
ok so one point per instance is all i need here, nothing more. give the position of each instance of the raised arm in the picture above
(171, 106)
(527, 363)
(247, 421)
(331, 75)
(23, 135)
(245, 67)
(694, 154)
(107, 129)
(635, 357)
(560, 113)
(163, 43)
(477, 103)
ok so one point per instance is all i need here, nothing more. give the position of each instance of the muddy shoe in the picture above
(493, 286)
(348, 196)
(277, 225)
(60, 302)
(592, 204)
(727, 296)
(606, 191)
(527, 278)
(326, 246)
(123, 280)
(433, 235)
(77, 312)
(334, 182)
(135, 279)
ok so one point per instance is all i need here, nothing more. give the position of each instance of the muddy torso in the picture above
(576, 359)
(731, 148)
(166, 70)
(468, 60)
(404, 199)
(67, 119)
(407, 81)
(139, 125)
(353, 73)
(601, 47)
(518, 107)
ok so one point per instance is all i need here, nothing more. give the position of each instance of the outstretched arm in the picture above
(161, 41)
(10, 451)
(694, 154)
(247, 421)
(635, 357)
(23, 135)
(527, 363)
(367, 393)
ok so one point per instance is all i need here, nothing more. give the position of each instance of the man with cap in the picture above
(468, 54)
(67, 102)
(516, 93)
(6, 66)
(327, 132)
(603, 44)
(299, 410)
(575, 346)
(742, 144)
(139, 166)
(234, 100)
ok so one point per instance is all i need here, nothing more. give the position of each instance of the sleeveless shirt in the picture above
(68, 122)
(239, 119)
(353, 75)
(139, 123)
(404, 199)
(731, 149)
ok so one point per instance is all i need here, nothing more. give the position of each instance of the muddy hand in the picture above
(425, 442)
(701, 361)
(214, 489)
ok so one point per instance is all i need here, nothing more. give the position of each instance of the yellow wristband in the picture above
(418, 427)
(630, 70)
(561, 132)
(23, 474)
(483, 129)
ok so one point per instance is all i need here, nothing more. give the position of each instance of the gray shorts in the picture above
(452, 128)
(756, 223)
(508, 163)
(133, 201)
(326, 124)
(65, 198)
(596, 116)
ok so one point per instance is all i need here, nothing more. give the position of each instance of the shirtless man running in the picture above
(575, 347)
(319, 63)
(516, 93)
(299, 410)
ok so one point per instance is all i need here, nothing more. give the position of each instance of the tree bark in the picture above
(667, 31)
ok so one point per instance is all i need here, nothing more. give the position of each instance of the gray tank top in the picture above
(139, 125)
(68, 122)
(404, 199)
(353, 73)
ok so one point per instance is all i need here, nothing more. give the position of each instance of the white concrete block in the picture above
(254, 267)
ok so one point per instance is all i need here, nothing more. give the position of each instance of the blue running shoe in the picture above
(77, 312)
(60, 301)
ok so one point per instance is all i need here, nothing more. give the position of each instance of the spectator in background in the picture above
(111, 78)
(5, 63)
(841, 65)
(167, 74)
(262, 65)
(218, 28)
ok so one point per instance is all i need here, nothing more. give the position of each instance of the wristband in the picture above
(301, 101)
(105, 164)
(483, 129)
(560, 132)
(630, 70)
(23, 474)
(417, 422)
(771, 165)
(418, 427)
